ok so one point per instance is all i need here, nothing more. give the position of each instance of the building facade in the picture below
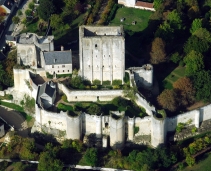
(102, 53)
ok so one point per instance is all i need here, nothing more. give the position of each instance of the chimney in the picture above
(54, 60)
(62, 48)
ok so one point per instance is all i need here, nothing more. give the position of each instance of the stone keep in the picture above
(102, 53)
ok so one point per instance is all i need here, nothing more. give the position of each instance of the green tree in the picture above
(28, 12)
(2, 73)
(56, 21)
(29, 104)
(196, 44)
(194, 62)
(46, 8)
(130, 92)
(157, 3)
(165, 31)
(49, 162)
(202, 82)
(158, 53)
(176, 57)
(168, 100)
(31, 5)
(91, 156)
(196, 24)
(94, 109)
(15, 19)
(27, 149)
(203, 34)
(20, 12)
(76, 81)
(174, 19)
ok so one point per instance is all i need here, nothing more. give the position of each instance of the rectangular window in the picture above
(52, 66)
(63, 66)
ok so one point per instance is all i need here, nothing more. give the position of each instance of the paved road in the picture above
(14, 119)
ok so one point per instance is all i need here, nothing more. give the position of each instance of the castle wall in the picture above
(54, 120)
(89, 95)
(145, 104)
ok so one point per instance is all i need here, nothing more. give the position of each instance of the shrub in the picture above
(91, 156)
(96, 82)
(193, 130)
(64, 98)
(180, 127)
(94, 109)
(48, 75)
(20, 12)
(136, 129)
(29, 104)
(31, 5)
(64, 107)
(116, 87)
(176, 58)
(117, 82)
(126, 78)
(107, 82)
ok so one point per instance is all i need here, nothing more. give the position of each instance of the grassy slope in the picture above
(17, 108)
(203, 165)
(130, 15)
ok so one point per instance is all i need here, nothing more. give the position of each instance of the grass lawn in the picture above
(32, 27)
(203, 164)
(133, 33)
(173, 76)
(17, 108)
(131, 14)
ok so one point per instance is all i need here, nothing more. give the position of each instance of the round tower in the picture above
(158, 130)
(98, 120)
(148, 76)
(117, 129)
(74, 127)
(131, 122)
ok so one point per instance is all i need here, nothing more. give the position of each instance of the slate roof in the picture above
(57, 57)
(10, 38)
(45, 89)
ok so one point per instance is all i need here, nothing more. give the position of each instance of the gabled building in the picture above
(46, 95)
(58, 62)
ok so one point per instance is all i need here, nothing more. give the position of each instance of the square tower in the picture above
(102, 53)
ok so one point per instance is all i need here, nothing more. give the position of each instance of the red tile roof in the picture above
(144, 4)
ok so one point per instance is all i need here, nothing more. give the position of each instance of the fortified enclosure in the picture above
(102, 53)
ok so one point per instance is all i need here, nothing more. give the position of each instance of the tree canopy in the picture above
(168, 100)
(158, 53)
(202, 82)
(196, 24)
(46, 8)
(194, 62)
